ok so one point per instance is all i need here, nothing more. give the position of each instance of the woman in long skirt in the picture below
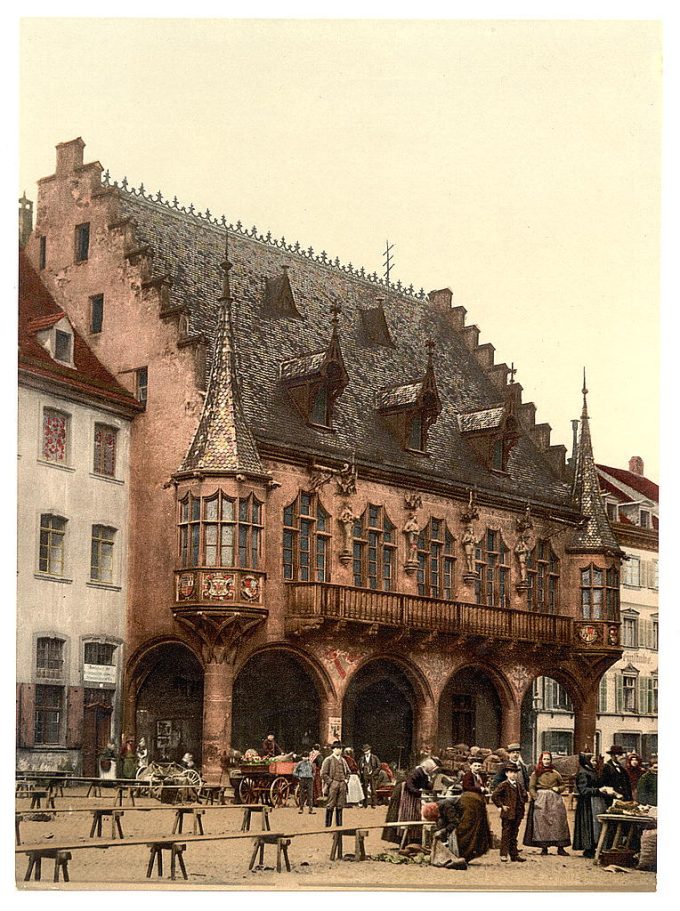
(410, 802)
(355, 793)
(547, 824)
(589, 804)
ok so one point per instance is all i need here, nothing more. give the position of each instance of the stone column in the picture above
(218, 686)
(510, 724)
(427, 728)
(585, 720)
(329, 707)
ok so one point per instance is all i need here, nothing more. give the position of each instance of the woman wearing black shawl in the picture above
(589, 803)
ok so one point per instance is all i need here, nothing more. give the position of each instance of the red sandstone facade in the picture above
(217, 655)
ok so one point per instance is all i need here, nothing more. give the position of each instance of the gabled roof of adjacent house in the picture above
(646, 488)
(190, 249)
(39, 311)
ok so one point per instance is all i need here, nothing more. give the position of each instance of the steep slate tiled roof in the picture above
(399, 395)
(307, 365)
(38, 311)
(596, 534)
(189, 250)
(223, 441)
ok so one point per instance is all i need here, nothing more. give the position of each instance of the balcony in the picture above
(317, 601)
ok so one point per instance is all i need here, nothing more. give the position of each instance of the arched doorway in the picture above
(380, 707)
(547, 719)
(170, 704)
(470, 710)
(275, 692)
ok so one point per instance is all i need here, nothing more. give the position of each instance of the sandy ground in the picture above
(225, 864)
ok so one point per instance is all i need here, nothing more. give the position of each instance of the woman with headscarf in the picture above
(635, 771)
(589, 804)
(355, 793)
(409, 801)
(547, 824)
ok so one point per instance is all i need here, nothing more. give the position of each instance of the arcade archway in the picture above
(470, 710)
(380, 707)
(547, 718)
(169, 704)
(275, 692)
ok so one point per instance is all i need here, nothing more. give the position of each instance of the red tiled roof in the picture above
(38, 310)
(646, 488)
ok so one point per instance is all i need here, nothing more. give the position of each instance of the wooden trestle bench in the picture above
(177, 846)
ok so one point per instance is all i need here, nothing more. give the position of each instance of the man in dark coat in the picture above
(615, 776)
(270, 747)
(590, 803)
(647, 785)
(510, 796)
(335, 775)
(515, 757)
(474, 780)
(369, 772)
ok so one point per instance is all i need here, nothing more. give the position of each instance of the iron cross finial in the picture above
(512, 371)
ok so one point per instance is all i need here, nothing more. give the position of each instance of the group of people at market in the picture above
(461, 814)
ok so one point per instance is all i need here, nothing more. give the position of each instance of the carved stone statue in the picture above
(522, 551)
(468, 543)
(346, 479)
(411, 530)
(346, 520)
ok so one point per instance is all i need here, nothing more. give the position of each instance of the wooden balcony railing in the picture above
(338, 602)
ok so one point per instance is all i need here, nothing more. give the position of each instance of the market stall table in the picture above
(626, 826)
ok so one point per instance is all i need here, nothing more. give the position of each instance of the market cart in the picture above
(266, 782)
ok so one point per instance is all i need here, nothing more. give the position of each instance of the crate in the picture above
(281, 768)
(622, 857)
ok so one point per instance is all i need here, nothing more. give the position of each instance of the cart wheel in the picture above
(279, 792)
(192, 778)
(246, 791)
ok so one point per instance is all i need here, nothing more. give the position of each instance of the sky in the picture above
(515, 162)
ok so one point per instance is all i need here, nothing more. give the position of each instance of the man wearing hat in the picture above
(510, 796)
(334, 776)
(369, 772)
(614, 776)
(523, 772)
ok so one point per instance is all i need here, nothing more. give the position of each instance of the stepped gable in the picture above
(223, 442)
(595, 534)
(188, 248)
(39, 311)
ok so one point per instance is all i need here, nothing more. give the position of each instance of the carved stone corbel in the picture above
(219, 637)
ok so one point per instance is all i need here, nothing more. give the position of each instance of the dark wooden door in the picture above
(96, 735)
(463, 719)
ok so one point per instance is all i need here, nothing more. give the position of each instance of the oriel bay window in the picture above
(306, 540)
(599, 593)
(435, 561)
(492, 587)
(373, 550)
(543, 572)
(220, 531)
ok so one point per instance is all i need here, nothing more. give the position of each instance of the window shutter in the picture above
(645, 634)
(603, 694)
(644, 574)
(619, 693)
(75, 716)
(26, 713)
(639, 693)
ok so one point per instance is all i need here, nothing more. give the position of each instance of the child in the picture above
(511, 797)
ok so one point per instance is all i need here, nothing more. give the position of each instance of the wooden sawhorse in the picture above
(248, 811)
(156, 854)
(120, 794)
(35, 859)
(98, 818)
(196, 814)
(281, 849)
(359, 846)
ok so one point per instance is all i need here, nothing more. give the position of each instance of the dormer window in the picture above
(315, 382)
(612, 511)
(63, 346)
(411, 409)
(492, 433)
(644, 518)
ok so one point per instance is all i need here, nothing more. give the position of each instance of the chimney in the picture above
(69, 156)
(574, 442)
(25, 219)
(636, 466)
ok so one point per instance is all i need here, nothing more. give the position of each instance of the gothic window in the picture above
(101, 553)
(52, 534)
(220, 531)
(543, 572)
(49, 658)
(49, 712)
(435, 561)
(599, 593)
(96, 313)
(373, 550)
(306, 540)
(104, 450)
(55, 436)
(492, 565)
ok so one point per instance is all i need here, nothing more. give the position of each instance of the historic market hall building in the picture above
(343, 516)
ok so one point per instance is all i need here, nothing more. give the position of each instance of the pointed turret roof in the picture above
(223, 441)
(595, 534)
